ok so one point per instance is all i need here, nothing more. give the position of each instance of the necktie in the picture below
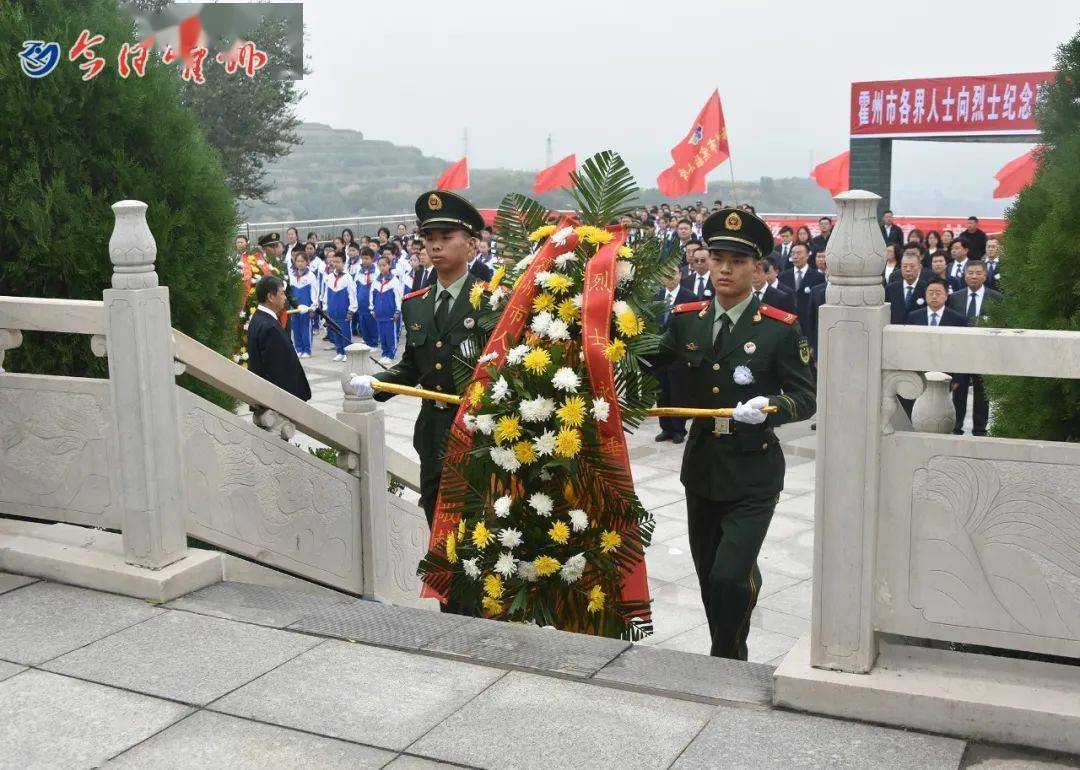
(786, 247)
(442, 311)
(700, 287)
(759, 295)
(972, 310)
(798, 280)
(907, 297)
(933, 319)
(725, 327)
(670, 304)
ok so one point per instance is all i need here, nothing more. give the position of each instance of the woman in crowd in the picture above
(382, 235)
(933, 246)
(915, 236)
(946, 242)
(939, 265)
(347, 237)
(802, 235)
(892, 264)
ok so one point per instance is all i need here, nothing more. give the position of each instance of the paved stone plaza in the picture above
(238, 675)
(787, 559)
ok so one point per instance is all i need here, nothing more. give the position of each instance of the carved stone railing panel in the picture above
(980, 542)
(56, 450)
(252, 493)
(404, 543)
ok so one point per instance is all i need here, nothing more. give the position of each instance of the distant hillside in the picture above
(339, 173)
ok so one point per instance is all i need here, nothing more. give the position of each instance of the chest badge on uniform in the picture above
(749, 348)
(743, 375)
(414, 327)
(804, 351)
(691, 346)
(469, 323)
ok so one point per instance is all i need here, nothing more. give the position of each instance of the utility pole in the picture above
(550, 159)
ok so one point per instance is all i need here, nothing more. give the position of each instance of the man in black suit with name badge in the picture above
(909, 293)
(768, 295)
(972, 302)
(800, 278)
(270, 351)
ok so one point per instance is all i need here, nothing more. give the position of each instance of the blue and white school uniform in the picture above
(367, 328)
(338, 300)
(385, 304)
(317, 268)
(304, 290)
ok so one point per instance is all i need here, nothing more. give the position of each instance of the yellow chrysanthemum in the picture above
(568, 442)
(451, 548)
(461, 530)
(625, 252)
(559, 532)
(568, 311)
(542, 302)
(476, 294)
(629, 324)
(482, 537)
(508, 428)
(496, 277)
(546, 565)
(572, 412)
(558, 283)
(541, 232)
(476, 392)
(493, 586)
(609, 541)
(537, 361)
(615, 351)
(590, 234)
(524, 452)
(596, 599)
(491, 606)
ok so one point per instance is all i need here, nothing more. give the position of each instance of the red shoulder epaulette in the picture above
(686, 307)
(778, 315)
(417, 293)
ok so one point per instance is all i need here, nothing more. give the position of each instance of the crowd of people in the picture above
(934, 278)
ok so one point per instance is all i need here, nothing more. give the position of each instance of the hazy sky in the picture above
(631, 76)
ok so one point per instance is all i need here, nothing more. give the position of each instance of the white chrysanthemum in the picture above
(541, 277)
(515, 354)
(541, 322)
(499, 390)
(541, 503)
(579, 520)
(601, 409)
(545, 475)
(487, 358)
(526, 571)
(502, 506)
(505, 458)
(510, 538)
(496, 297)
(471, 568)
(558, 330)
(470, 422)
(559, 236)
(619, 308)
(536, 410)
(563, 260)
(577, 299)
(522, 265)
(506, 564)
(485, 423)
(624, 271)
(572, 568)
(545, 444)
(566, 379)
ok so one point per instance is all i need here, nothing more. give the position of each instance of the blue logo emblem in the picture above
(699, 134)
(39, 58)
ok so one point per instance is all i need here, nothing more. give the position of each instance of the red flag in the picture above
(1016, 175)
(700, 151)
(456, 177)
(557, 176)
(834, 173)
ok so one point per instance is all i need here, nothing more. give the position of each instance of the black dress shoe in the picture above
(958, 433)
(663, 436)
(678, 439)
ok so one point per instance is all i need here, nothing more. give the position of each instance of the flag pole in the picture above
(731, 167)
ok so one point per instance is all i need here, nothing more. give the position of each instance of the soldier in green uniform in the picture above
(439, 320)
(753, 356)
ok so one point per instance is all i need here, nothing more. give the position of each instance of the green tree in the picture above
(1041, 273)
(71, 150)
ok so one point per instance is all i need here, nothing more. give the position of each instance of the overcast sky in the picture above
(632, 75)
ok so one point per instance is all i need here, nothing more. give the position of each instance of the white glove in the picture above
(750, 412)
(303, 309)
(360, 385)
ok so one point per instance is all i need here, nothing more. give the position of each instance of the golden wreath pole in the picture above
(449, 398)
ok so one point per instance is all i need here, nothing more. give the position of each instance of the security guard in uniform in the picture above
(440, 323)
(740, 352)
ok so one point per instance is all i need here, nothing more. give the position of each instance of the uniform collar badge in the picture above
(749, 348)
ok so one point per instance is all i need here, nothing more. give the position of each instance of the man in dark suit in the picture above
(672, 377)
(698, 282)
(993, 263)
(909, 293)
(820, 242)
(974, 239)
(782, 253)
(800, 278)
(270, 352)
(766, 294)
(425, 274)
(477, 269)
(973, 302)
(813, 309)
(891, 232)
(936, 312)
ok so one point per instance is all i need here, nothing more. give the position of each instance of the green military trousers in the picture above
(725, 537)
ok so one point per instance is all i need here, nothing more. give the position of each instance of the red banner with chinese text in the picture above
(978, 104)
(704, 148)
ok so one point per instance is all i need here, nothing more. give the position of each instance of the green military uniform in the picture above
(733, 471)
(433, 339)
